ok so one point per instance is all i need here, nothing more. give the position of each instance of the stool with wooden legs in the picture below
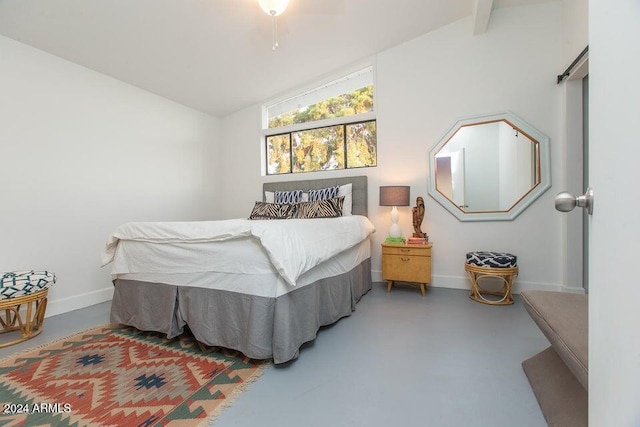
(23, 302)
(498, 265)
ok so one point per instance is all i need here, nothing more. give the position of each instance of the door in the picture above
(450, 176)
(577, 175)
(458, 179)
(614, 174)
(585, 181)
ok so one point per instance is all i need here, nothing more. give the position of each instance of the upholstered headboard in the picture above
(359, 188)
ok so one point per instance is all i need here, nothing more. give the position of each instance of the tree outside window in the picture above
(341, 146)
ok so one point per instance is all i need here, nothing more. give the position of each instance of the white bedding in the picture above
(262, 284)
(291, 247)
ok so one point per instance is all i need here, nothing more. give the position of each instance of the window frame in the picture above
(267, 132)
(344, 144)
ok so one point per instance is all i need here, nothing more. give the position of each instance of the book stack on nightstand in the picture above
(404, 262)
(417, 240)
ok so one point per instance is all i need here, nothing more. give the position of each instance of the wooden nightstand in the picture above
(406, 263)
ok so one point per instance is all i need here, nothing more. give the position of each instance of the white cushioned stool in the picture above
(28, 289)
(500, 265)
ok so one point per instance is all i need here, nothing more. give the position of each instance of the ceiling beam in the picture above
(481, 16)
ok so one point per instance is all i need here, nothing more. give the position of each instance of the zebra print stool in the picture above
(28, 288)
(500, 265)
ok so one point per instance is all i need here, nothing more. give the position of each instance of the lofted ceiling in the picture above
(215, 55)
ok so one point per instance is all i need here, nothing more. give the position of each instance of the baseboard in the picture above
(463, 282)
(64, 305)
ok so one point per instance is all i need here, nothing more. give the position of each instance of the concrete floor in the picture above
(399, 359)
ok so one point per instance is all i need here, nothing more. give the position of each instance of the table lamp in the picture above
(394, 195)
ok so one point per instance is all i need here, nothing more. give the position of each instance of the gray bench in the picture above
(559, 375)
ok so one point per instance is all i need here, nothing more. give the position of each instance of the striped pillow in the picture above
(330, 208)
(324, 193)
(264, 210)
(287, 197)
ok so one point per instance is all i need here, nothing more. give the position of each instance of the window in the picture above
(327, 128)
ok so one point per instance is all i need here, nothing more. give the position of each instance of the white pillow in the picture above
(269, 196)
(346, 190)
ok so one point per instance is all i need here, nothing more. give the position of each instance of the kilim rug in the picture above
(119, 376)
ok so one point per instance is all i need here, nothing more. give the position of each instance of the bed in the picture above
(263, 288)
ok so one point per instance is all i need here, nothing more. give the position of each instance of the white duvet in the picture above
(293, 246)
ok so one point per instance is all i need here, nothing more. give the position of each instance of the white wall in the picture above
(243, 165)
(575, 27)
(82, 153)
(423, 87)
(432, 81)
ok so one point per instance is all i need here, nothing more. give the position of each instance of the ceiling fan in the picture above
(275, 8)
(308, 7)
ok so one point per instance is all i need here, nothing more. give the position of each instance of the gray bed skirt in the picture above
(259, 327)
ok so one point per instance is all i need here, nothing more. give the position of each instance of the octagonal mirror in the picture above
(489, 168)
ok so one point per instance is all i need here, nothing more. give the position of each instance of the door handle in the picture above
(565, 202)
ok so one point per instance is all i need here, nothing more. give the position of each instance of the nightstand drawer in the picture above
(418, 250)
(406, 268)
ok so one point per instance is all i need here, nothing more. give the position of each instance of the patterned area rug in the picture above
(117, 376)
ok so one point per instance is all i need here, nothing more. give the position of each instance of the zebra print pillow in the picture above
(264, 210)
(330, 208)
